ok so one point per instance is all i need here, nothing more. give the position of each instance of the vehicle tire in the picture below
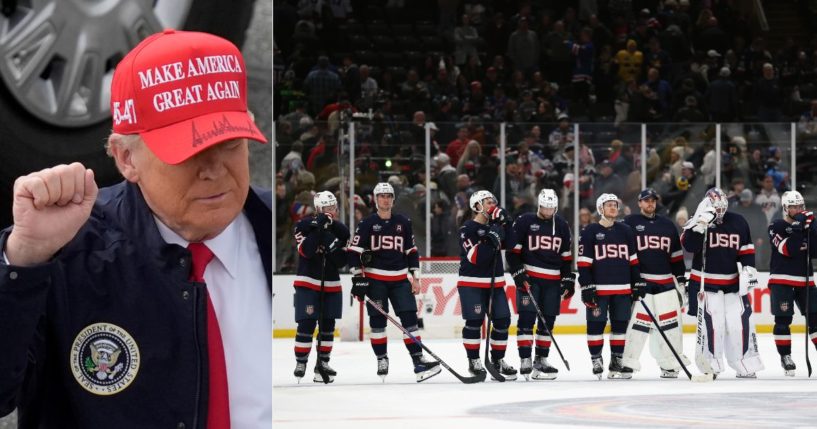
(29, 144)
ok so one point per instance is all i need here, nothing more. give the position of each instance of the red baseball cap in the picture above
(182, 92)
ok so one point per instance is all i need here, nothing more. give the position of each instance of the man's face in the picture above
(488, 204)
(385, 201)
(768, 183)
(610, 209)
(331, 211)
(199, 197)
(793, 210)
(546, 213)
(647, 206)
(584, 216)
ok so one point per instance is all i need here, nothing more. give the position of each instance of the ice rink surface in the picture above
(576, 399)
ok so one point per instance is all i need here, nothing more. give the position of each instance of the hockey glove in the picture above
(321, 220)
(330, 243)
(499, 216)
(568, 286)
(520, 279)
(638, 290)
(705, 218)
(589, 296)
(360, 285)
(493, 238)
(804, 218)
(681, 289)
(751, 277)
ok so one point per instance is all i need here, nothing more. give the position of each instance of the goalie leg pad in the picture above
(710, 334)
(741, 341)
(667, 310)
(638, 330)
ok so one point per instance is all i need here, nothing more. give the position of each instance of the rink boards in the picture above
(440, 309)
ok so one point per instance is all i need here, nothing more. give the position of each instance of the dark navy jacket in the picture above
(119, 272)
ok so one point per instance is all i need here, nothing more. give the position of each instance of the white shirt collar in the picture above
(224, 246)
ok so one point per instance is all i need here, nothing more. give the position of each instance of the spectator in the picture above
(443, 230)
(607, 181)
(737, 186)
(585, 218)
(722, 98)
(768, 199)
(807, 126)
(657, 58)
(629, 62)
(523, 48)
(690, 112)
(368, 88)
(712, 37)
(442, 86)
(472, 70)
(321, 85)
(469, 162)
(562, 135)
(584, 53)
(475, 101)
(768, 96)
(500, 32)
(662, 91)
(445, 175)
(601, 34)
(465, 41)
(557, 54)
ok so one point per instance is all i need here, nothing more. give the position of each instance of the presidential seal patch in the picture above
(104, 359)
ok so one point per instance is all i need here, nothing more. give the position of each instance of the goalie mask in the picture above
(719, 202)
(792, 199)
(477, 198)
(324, 199)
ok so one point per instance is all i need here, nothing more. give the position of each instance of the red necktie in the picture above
(218, 404)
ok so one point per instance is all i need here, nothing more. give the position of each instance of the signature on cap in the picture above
(219, 128)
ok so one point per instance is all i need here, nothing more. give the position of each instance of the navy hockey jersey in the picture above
(608, 258)
(476, 254)
(542, 246)
(310, 242)
(788, 265)
(660, 257)
(728, 243)
(391, 243)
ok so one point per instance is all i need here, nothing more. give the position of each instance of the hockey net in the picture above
(438, 305)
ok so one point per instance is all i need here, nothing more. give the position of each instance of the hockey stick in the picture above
(467, 380)
(488, 366)
(666, 340)
(547, 328)
(318, 366)
(808, 310)
(708, 375)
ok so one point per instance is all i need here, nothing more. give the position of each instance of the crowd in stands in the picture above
(457, 69)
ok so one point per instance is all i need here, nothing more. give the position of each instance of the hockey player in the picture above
(610, 279)
(725, 325)
(540, 261)
(384, 265)
(661, 262)
(320, 240)
(481, 239)
(793, 239)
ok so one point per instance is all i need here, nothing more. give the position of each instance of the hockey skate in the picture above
(598, 366)
(300, 370)
(383, 367)
(505, 370)
(542, 369)
(788, 365)
(669, 373)
(525, 367)
(618, 371)
(746, 375)
(475, 367)
(329, 371)
(425, 368)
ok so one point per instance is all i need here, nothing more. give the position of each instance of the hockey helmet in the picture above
(648, 193)
(324, 199)
(382, 188)
(792, 198)
(477, 198)
(603, 198)
(548, 199)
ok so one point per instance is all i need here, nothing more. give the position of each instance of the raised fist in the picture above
(49, 208)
